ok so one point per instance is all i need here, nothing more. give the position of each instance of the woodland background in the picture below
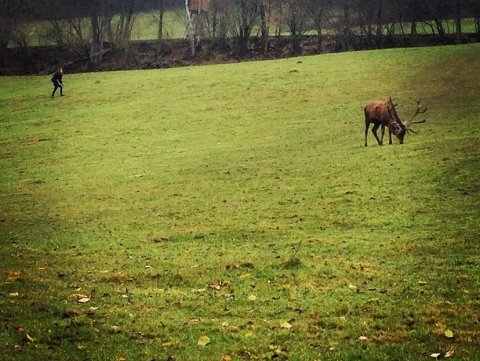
(38, 35)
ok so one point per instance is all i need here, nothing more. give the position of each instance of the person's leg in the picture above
(54, 89)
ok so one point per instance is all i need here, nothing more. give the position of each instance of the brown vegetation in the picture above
(176, 52)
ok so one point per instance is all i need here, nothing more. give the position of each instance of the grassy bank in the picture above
(232, 212)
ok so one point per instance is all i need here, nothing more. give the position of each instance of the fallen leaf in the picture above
(169, 344)
(252, 298)
(30, 338)
(13, 276)
(227, 358)
(286, 325)
(78, 295)
(84, 300)
(422, 283)
(203, 341)
(14, 294)
(449, 353)
(278, 351)
(246, 275)
(362, 338)
(448, 333)
(352, 287)
(215, 286)
(436, 355)
(20, 329)
(315, 316)
(194, 320)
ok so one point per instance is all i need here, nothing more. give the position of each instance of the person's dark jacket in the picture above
(57, 78)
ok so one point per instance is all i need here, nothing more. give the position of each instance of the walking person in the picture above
(57, 81)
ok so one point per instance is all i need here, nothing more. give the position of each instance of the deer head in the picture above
(395, 125)
(421, 109)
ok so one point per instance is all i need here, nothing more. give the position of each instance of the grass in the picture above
(238, 202)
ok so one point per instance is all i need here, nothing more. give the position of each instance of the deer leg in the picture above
(374, 131)
(383, 133)
(367, 125)
(390, 136)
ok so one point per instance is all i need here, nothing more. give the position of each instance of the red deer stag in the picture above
(383, 113)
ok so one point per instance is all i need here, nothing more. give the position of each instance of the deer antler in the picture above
(419, 110)
(393, 102)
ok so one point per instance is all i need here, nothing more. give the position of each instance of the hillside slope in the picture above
(238, 202)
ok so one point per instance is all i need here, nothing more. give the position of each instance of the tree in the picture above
(318, 11)
(161, 12)
(265, 7)
(458, 21)
(8, 13)
(297, 16)
(190, 28)
(248, 12)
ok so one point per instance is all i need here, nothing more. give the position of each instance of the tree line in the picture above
(91, 27)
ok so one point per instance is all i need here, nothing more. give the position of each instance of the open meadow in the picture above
(232, 212)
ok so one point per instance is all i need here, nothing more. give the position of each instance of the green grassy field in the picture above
(232, 212)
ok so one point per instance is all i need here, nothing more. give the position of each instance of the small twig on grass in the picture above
(293, 261)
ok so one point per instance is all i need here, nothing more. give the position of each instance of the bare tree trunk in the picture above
(96, 44)
(190, 30)
(214, 23)
(126, 32)
(6, 28)
(319, 30)
(413, 10)
(440, 28)
(380, 23)
(245, 28)
(294, 33)
(345, 42)
(264, 26)
(3, 52)
(413, 28)
(477, 23)
(316, 13)
(222, 27)
(161, 6)
(458, 21)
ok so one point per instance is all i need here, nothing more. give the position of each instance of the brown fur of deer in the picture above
(382, 113)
